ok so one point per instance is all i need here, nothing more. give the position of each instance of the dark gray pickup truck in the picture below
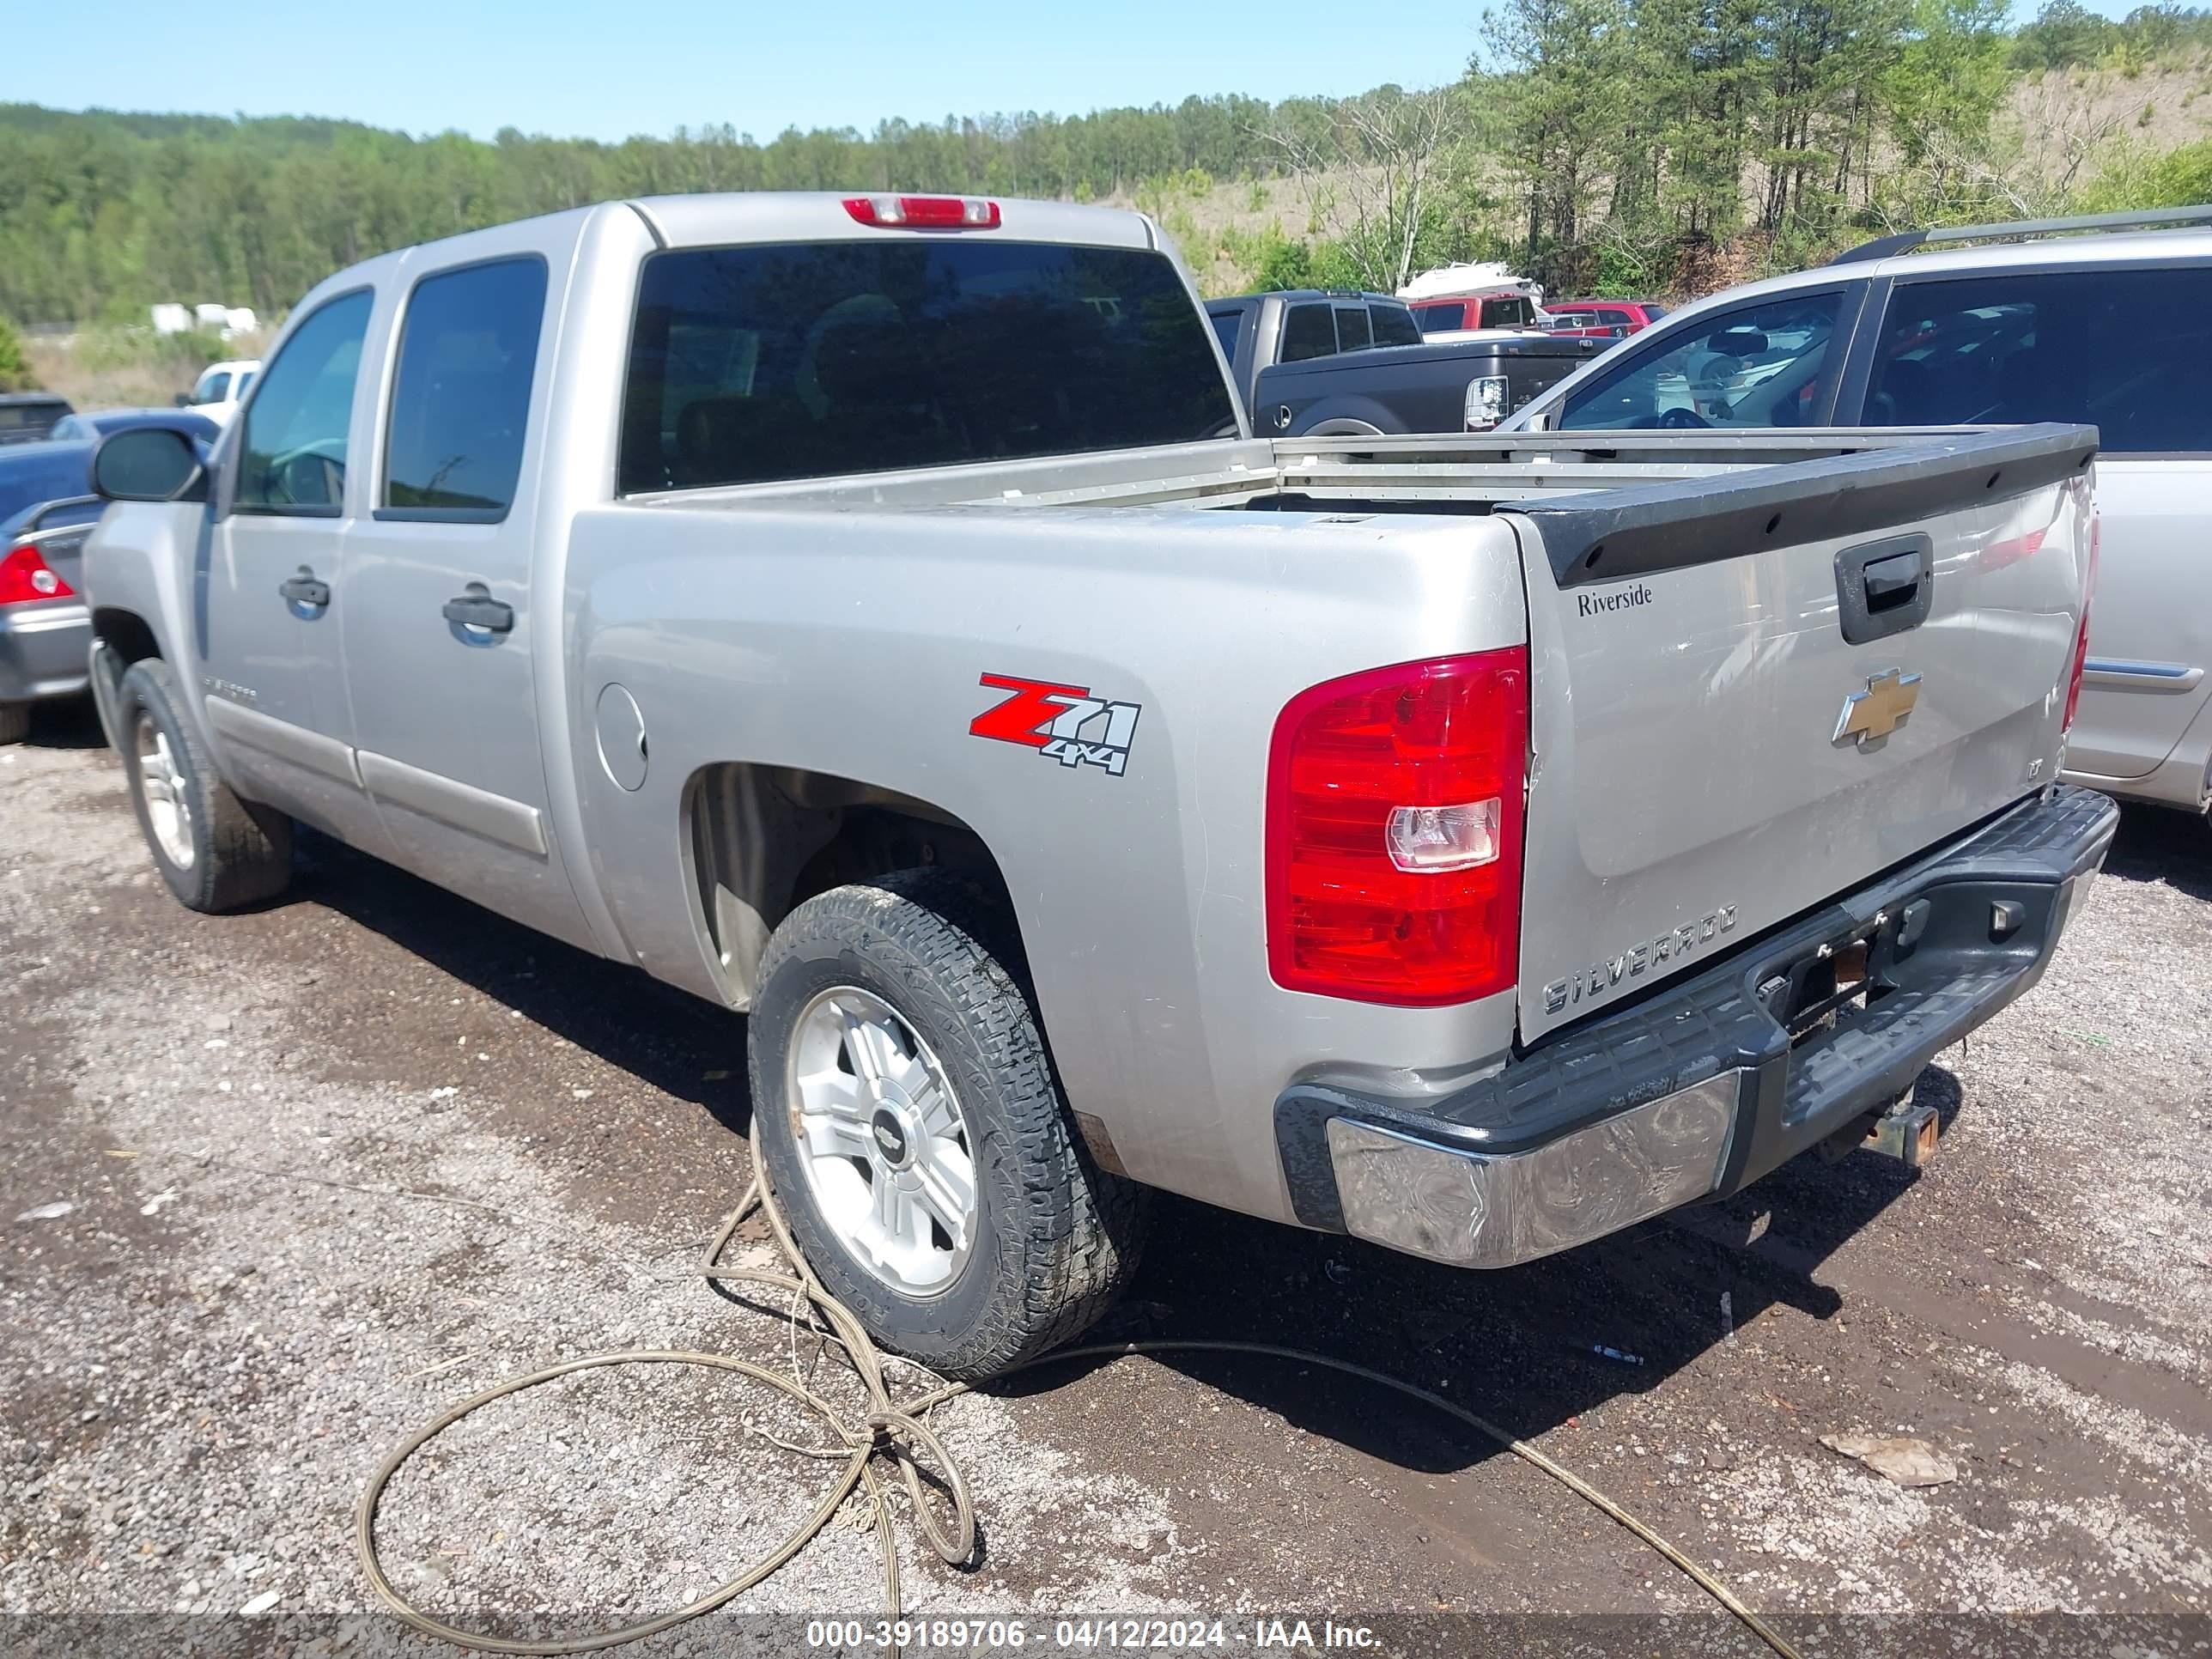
(1310, 362)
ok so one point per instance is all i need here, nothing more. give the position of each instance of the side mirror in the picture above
(183, 400)
(149, 464)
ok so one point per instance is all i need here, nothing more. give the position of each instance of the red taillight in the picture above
(2081, 634)
(1393, 832)
(925, 212)
(24, 576)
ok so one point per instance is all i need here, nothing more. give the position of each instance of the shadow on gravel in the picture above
(65, 723)
(1517, 1347)
(666, 1037)
(2156, 845)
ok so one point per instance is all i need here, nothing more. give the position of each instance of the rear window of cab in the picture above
(758, 364)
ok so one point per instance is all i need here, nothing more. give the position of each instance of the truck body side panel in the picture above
(853, 643)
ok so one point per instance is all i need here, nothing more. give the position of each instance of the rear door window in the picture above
(1308, 331)
(1352, 330)
(1225, 326)
(1394, 326)
(758, 363)
(2006, 348)
(1767, 364)
(460, 401)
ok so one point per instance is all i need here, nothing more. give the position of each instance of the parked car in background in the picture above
(1297, 325)
(91, 428)
(1998, 323)
(1464, 298)
(1469, 383)
(46, 630)
(219, 389)
(991, 696)
(26, 418)
(1466, 314)
(1627, 316)
(1338, 362)
(60, 466)
(1582, 324)
(47, 509)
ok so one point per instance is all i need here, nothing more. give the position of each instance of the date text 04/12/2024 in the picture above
(973, 1636)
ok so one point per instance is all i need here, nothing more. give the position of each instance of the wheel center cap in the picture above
(891, 1140)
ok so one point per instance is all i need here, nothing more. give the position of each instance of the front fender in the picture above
(144, 561)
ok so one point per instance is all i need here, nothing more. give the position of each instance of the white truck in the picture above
(871, 615)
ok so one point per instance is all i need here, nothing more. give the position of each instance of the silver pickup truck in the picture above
(843, 609)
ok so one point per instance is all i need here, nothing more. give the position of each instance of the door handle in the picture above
(476, 608)
(304, 589)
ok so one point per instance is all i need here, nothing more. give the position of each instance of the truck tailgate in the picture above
(1748, 693)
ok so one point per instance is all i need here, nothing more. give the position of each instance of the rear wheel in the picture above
(915, 1136)
(215, 851)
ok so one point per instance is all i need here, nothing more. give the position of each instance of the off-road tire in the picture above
(1056, 1237)
(241, 851)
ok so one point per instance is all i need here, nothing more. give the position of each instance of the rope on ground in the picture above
(897, 1431)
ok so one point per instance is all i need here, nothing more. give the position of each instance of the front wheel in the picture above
(917, 1137)
(215, 851)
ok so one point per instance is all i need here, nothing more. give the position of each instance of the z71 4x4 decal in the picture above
(1064, 722)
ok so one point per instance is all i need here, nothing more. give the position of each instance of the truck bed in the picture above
(1449, 474)
(1690, 781)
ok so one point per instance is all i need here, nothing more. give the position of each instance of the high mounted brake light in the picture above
(924, 212)
(25, 577)
(1393, 832)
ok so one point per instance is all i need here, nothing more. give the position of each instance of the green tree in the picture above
(14, 367)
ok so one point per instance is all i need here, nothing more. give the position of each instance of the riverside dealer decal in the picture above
(1064, 722)
(1621, 599)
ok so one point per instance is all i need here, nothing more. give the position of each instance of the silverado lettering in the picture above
(1634, 963)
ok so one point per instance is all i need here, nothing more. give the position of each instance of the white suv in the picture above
(220, 388)
(2040, 322)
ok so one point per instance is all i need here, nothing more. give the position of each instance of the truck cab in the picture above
(1295, 325)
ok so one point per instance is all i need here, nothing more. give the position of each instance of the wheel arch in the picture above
(759, 840)
(1346, 415)
(120, 637)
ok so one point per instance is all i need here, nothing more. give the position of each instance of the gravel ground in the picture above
(334, 1165)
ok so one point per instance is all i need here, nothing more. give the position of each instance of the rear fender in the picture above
(1337, 415)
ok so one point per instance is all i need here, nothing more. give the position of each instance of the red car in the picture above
(1503, 308)
(1629, 316)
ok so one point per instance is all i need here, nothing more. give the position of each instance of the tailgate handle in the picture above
(1892, 581)
(1885, 587)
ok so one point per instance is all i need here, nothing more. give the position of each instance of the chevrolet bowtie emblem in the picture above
(1880, 708)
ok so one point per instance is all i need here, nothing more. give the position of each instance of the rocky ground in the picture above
(275, 1188)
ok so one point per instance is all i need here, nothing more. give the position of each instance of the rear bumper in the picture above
(42, 650)
(1699, 1090)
